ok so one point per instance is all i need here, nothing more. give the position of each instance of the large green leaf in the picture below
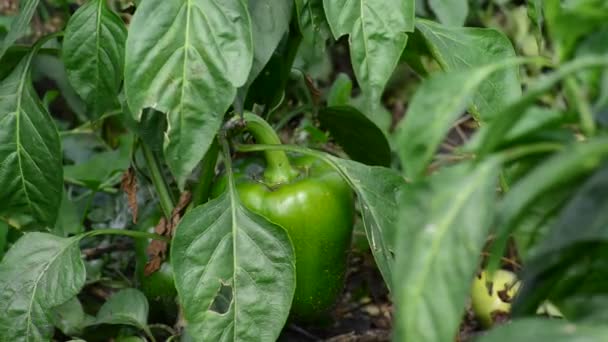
(444, 228)
(457, 49)
(20, 24)
(186, 59)
(539, 329)
(93, 53)
(450, 12)
(234, 272)
(39, 272)
(31, 176)
(377, 35)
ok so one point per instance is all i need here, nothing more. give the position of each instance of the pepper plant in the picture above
(156, 166)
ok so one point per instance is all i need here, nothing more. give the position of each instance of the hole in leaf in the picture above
(222, 300)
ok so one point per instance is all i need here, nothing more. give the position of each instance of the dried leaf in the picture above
(129, 186)
(157, 250)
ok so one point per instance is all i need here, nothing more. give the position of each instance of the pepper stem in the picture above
(278, 169)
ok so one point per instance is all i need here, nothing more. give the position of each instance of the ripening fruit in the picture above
(495, 297)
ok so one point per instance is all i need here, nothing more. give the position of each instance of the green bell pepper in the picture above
(313, 203)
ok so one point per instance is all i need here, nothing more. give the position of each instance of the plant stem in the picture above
(582, 106)
(526, 150)
(164, 194)
(87, 207)
(201, 191)
(278, 169)
(130, 233)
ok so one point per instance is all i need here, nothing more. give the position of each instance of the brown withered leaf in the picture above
(157, 250)
(129, 186)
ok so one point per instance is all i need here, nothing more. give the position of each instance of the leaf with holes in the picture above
(186, 59)
(234, 272)
(377, 30)
(39, 272)
(31, 174)
(93, 53)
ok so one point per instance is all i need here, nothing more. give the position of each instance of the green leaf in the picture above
(19, 25)
(377, 189)
(568, 23)
(533, 120)
(562, 168)
(68, 220)
(536, 222)
(93, 53)
(269, 23)
(186, 59)
(102, 168)
(52, 68)
(31, 176)
(538, 329)
(360, 138)
(312, 22)
(438, 102)
(444, 229)
(340, 91)
(150, 128)
(9, 61)
(234, 272)
(3, 235)
(512, 113)
(269, 87)
(535, 13)
(377, 37)
(39, 272)
(458, 49)
(570, 263)
(69, 317)
(128, 307)
(450, 12)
